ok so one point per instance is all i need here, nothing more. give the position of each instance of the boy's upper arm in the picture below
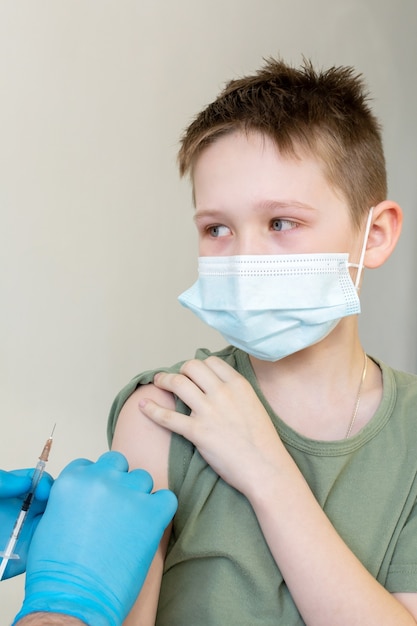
(146, 445)
(409, 600)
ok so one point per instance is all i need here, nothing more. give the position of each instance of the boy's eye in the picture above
(282, 224)
(218, 230)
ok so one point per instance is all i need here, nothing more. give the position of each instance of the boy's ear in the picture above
(385, 230)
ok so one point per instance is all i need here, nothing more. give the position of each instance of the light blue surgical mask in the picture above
(271, 306)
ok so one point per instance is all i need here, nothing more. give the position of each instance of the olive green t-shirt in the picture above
(219, 570)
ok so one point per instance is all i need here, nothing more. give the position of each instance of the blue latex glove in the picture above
(13, 488)
(93, 547)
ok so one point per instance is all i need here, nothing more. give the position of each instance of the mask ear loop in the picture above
(365, 241)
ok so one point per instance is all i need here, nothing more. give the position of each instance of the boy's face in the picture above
(251, 200)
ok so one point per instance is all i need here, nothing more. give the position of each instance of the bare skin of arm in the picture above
(228, 424)
(146, 445)
(49, 619)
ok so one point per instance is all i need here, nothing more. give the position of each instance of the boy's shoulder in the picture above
(403, 379)
(228, 354)
(400, 394)
(406, 386)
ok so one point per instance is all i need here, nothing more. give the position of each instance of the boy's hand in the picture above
(228, 424)
(13, 489)
(93, 547)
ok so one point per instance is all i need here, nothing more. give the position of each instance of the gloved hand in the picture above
(13, 489)
(93, 548)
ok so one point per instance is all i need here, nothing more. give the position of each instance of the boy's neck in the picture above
(315, 390)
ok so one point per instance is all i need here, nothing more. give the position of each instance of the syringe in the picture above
(37, 475)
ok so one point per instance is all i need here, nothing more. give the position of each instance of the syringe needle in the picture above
(37, 475)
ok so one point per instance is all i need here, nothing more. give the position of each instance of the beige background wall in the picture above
(96, 235)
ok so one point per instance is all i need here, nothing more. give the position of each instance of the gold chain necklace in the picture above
(358, 398)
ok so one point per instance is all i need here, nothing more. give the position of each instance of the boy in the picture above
(291, 452)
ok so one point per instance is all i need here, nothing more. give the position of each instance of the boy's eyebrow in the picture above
(200, 214)
(271, 205)
(265, 205)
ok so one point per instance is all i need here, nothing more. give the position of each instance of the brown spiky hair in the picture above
(323, 114)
